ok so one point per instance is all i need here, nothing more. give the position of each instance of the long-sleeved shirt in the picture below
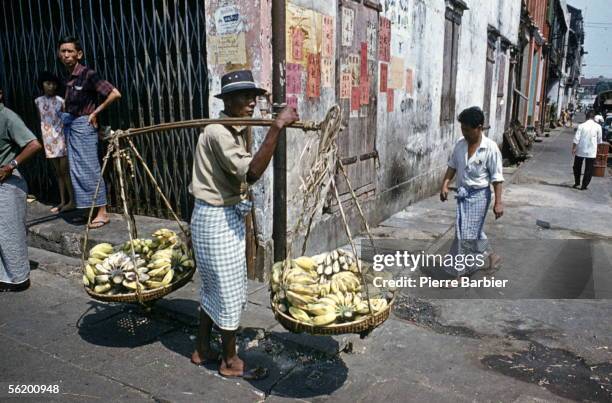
(586, 139)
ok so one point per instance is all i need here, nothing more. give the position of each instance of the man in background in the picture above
(584, 149)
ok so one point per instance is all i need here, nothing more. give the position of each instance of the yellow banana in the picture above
(299, 314)
(154, 284)
(159, 272)
(98, 255)
(132, 285)
(299, 299)
(94, 261)
(101, 289)
(168, 277)
(306, 263)
(105, 248)
(320, 308)
(90, 274)
(85, 280)
(304, 289)
(324, 320)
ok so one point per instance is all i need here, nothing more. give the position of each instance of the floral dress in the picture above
(51, 125)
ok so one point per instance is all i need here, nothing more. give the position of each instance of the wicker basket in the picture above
(363, 325)
(147, 296)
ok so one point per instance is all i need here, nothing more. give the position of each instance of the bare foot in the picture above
(234, 367)
(494, 262)
(56, 209)
(67, 207)
(204, 357)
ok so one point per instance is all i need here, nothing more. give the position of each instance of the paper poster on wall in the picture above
(371, 40)
(354, 66)
(292, 102)
(313, 83)
(384, 39)
(228, 20)
(364, 91)
(384, 74)
(345, 85)
(327, 73)
(348, 17)
(310, 24)
(293, 73)
(363, 69)
(229, 49)
(297, 44)
(355, 99)
(409, 81)
(396, 73)
(390, 101)
(327, 49)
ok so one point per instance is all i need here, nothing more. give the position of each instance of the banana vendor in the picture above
(222, 170)
(477, 162)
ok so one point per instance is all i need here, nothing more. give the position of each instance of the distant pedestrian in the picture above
(49, 109)
(84, 89)
(477, 163)
(584, 148)
(17, 144)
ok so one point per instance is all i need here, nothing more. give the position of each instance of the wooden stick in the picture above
(157, 188)
(109, 150)
(188, 124)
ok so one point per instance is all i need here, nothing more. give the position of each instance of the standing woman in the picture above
(49, 108)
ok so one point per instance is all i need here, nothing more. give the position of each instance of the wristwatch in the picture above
(13, 164)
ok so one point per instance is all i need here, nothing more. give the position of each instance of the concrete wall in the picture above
(412, 147)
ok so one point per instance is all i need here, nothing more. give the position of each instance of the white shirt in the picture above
(586, 139)
(482, 169)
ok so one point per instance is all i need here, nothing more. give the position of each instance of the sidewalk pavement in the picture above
(429, 350)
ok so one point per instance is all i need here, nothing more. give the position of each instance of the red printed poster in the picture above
(384, 39)
(363, 72)
(327, 50)
(390, 105)
(313, 84)
(355, 68)
(292, 102)
(364, 91)
(409, 81)
(293, 72)
(345, 85)
(355, 99)
(384, 73)
(297, 43)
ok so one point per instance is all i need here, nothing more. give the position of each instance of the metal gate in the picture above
(153, 51)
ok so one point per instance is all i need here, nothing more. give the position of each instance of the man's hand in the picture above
(93, 120)
(5, 172)
(286, 117)
(498, 209)
(444, 193)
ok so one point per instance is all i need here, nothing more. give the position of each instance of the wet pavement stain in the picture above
(424, 314)
(561, 372)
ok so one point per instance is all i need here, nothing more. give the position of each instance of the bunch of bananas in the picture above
(166, 238)
(159, 262)
(144, 247)
(312, 296)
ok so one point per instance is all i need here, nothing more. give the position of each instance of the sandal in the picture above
(255, 374)
(98, 224)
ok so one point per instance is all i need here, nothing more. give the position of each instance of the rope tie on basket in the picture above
(318, 180)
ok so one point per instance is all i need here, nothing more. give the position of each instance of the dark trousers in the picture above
(588, 171)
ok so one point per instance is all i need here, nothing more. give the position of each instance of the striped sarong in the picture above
(14, 263)
(472, 208)
(218, 235)
(82, 145)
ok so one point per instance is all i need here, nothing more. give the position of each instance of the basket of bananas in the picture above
(158, 267)
(323, 295)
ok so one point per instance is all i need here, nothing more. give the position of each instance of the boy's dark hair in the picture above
(48, 76)
(473, 117)
(70, 39)
(590, 114)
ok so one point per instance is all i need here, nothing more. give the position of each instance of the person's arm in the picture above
(112, 97)
(26, 153)
(576, 139)
(498, 207)
(448, 177)
(262, 158)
